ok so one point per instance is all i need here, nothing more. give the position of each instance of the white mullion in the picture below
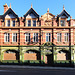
(48, 37)
(30, 37)
(12, 37)
(33, 37)
(68, 37)
(25, 37)
(12, 23)
(5, 37)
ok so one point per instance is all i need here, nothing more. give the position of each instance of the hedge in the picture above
(62, 61)
(10, 61)
(32, 61)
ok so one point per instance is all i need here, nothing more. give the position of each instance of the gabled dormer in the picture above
(10, 14)
(10, 18)
(62, 18)
(46, 19)
(64, 14)
(31, 18)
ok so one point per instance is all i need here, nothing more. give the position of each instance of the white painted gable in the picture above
(31, 16)
(9, 16)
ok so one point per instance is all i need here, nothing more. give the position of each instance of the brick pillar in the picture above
(71, 21)
(54, 23)
(71, 37)
(10, 38)
(21, 36)
(59, 22)
(54, 55)
(54, 37)
(21, 22)
(21, 56)
(42, 36)
(42, 22)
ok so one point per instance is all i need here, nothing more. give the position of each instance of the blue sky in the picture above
(40, 6)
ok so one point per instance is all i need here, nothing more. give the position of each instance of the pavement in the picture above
(35, 67)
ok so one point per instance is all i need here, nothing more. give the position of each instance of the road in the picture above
(21, 71)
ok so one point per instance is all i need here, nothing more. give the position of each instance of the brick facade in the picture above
(50, 28)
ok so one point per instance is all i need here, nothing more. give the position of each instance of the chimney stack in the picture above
(5, 7)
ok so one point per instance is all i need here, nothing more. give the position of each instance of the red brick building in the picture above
(48, 39)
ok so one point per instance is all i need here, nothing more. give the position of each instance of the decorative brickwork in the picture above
(45, 36)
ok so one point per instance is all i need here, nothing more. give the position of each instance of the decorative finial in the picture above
(10, 5)
(63, 7)
(48, 10)
(70, 17)
(31, 5)
(5, 3)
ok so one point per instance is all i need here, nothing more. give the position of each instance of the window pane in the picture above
(34, 22)
(59, 36)
(14, 37)
(35, 37)
(29, 22)
(66, 37)
(8, 23)
(62, 22)
(8, 37)
(46, 38)
(27, 37)
(13, 23)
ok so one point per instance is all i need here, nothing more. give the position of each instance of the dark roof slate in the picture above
(31, 10)
(65, 13)
(10, 11)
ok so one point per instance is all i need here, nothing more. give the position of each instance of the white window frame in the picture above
(63, 22)
(35, 35)
(27, 23)
(35, 23)
(7, 23)
(49, 36)
(12, 23)
(65, 37)
(8, 37)
(14, 35)
(59, 37)
(28, 36)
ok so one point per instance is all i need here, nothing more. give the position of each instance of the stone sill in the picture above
(6, 42)
(14, 42)
(65, 42)
(58, 42)
(31, 42)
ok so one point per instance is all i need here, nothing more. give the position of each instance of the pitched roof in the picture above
(0, 15)
(10, 11)
(64, 13)
(31, 10)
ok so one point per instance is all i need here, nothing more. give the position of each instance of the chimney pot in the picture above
(5, 7)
